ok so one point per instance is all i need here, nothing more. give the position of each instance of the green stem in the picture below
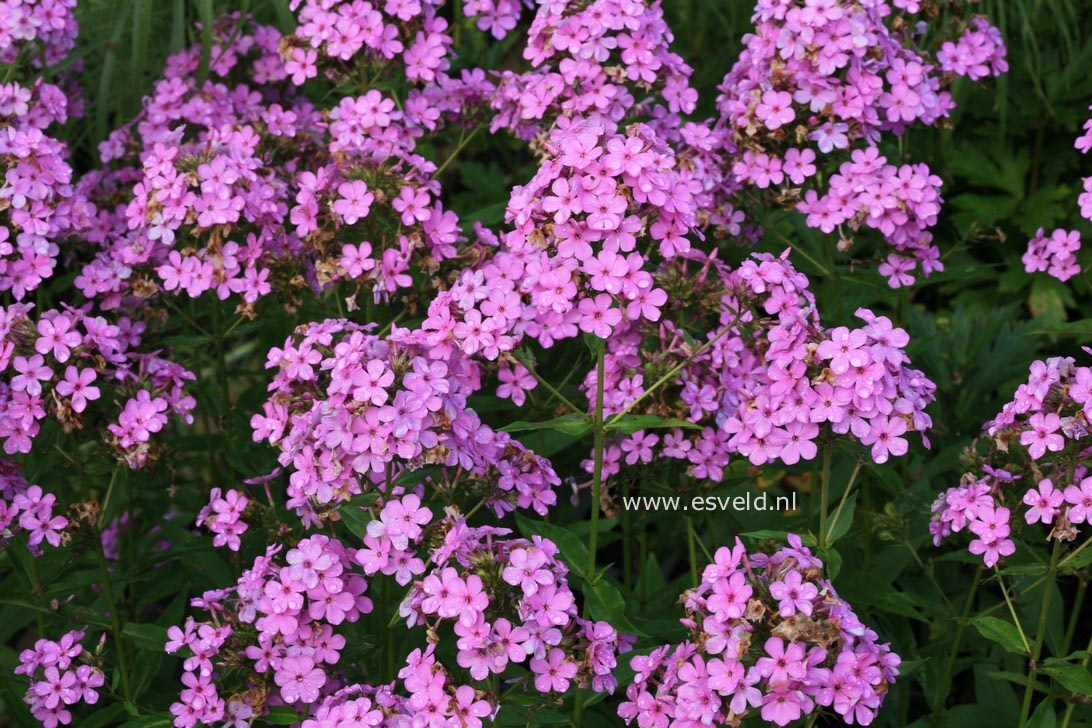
(529, 366)
(1072, 702)
(845, 495)
(627, 547)
(824, 492)
(1012, 612)
(597, 489)
(39, 595)
(677, 368)
(928, 573)
(597, 471)
(451, 157)
(115, 623)
(1071, 630)
(1040, 633)
(1074, 553)
(690, 538)
(960, 629)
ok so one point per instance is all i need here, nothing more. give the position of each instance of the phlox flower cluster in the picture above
(241, 186)
(764, 381)
(508, 601)
(1035, 469)
(27, 508)
(348, 41)
(978, 53)
(429, 695)
(575, 259)
(1057, 255)
(223, 515)
(279, 620)
(1084, 143)
(408, 31)
(40, 205)
(60, 363)
(901, 202)
(32, 27)
(606, 59)
(350, 411)
(497, 17)
(769, 635)
(834, 75)
(56, 680)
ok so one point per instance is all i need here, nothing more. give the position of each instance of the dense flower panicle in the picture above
(60, 363)
(769, 635)
(606, 59)
(978, 53)
(350, 411)
(1035, 470)
(901, 202)
(223, 515)
(577, 257)
(48, 25)
(412, 32)
(498, 17)
(508, 601)
(241, 186)
(1057, 255)
(500, 600)
(280, 619)
(822, 78)
(57, 681)
(764, 380)
(27, 508)
(41, 204)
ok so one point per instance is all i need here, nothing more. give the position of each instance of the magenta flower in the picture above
(299, 679)
(77, 384)
(1041, 434)
(554, 672)
(1043, 502)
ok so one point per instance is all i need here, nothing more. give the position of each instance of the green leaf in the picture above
(606, 603)
(1001, 632)
(845, 520)
(149, 721)
(833, 561)
(355, 519)
(594, 343)
(572, 549)
(1073, 675)
(1043, 717)
(628, 424)
(149, 637)
(281, 715)
(106, 717)
(574, 424)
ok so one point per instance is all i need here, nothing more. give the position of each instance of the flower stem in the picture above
(824, 492)
(1012, 611)
(730, 326)
(597, 471)
(960, 629)
(690, 538)
(115, 623)
(627, 547)
(845, 495)
(1040, 633)
(597, 489)
(1073, 703)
